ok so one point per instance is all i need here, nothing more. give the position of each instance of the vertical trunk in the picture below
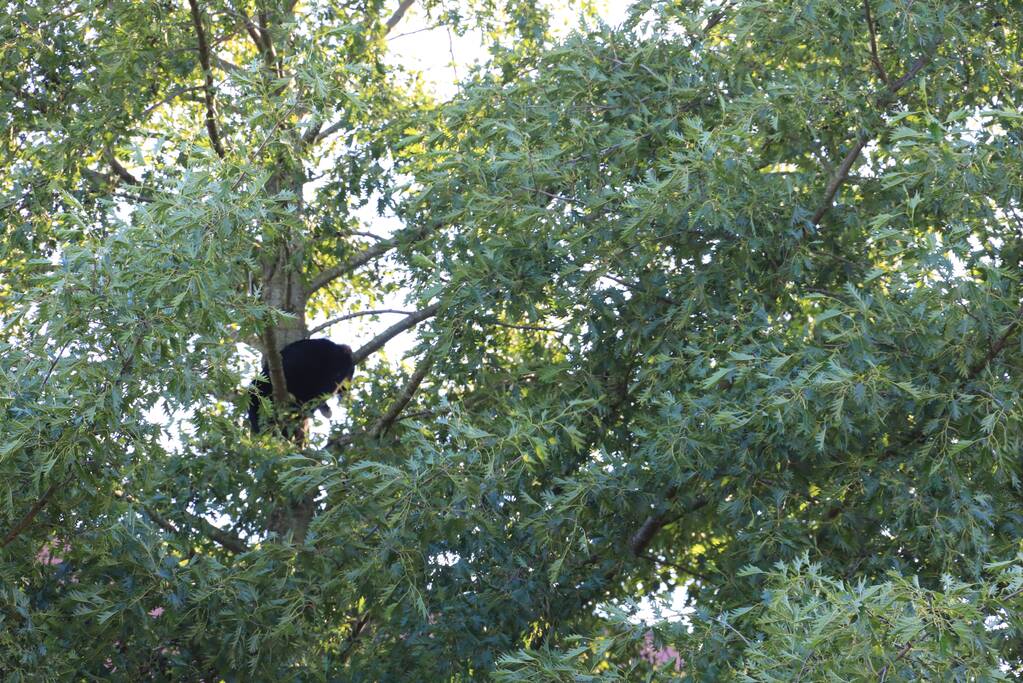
(284, 290)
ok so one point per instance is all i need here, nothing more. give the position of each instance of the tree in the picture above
(726, 298)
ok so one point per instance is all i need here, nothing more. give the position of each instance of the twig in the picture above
(204, 61)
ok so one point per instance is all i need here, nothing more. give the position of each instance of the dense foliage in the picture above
(725, 299)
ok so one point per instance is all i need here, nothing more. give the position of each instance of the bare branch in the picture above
(378, 341)
(873, 43)
(398, 14)
(204, 61)
(365, 256)
(357, 314)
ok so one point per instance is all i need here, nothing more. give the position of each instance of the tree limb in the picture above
(997, 347)
(398, 14)
(363, 257)
(204, 61)
(394, 410)
(31, 514)
(225, 538)
(388, 418)
(357, 314)
(121, 172)
(842, 172)
(654, 523)
(275, 366)
(873, 43)
(378, 341)
(838, 178)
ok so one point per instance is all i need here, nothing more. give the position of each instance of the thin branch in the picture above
(838, 178)
(357, 314)
(353, 637)
(531, 328)
(378, 341)
(919, 64)
(654, 523)
(677, 567)
(121, 172)
(922, 635)
(22, 524)
(169, 97)
(394, 410)
(997, 347)
(388, 418)
(842, 172)
(204, 61)
(363, 257)
(32, 512)
(873, 43)
(398, 14)
(226, 539)
(224, 65)
(715, 19)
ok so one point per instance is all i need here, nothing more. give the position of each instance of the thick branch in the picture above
(398, 14)
(378, 341)
(363, 257)
(275, 365)
(204, 61)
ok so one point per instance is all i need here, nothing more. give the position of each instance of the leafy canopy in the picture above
(726, 299)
